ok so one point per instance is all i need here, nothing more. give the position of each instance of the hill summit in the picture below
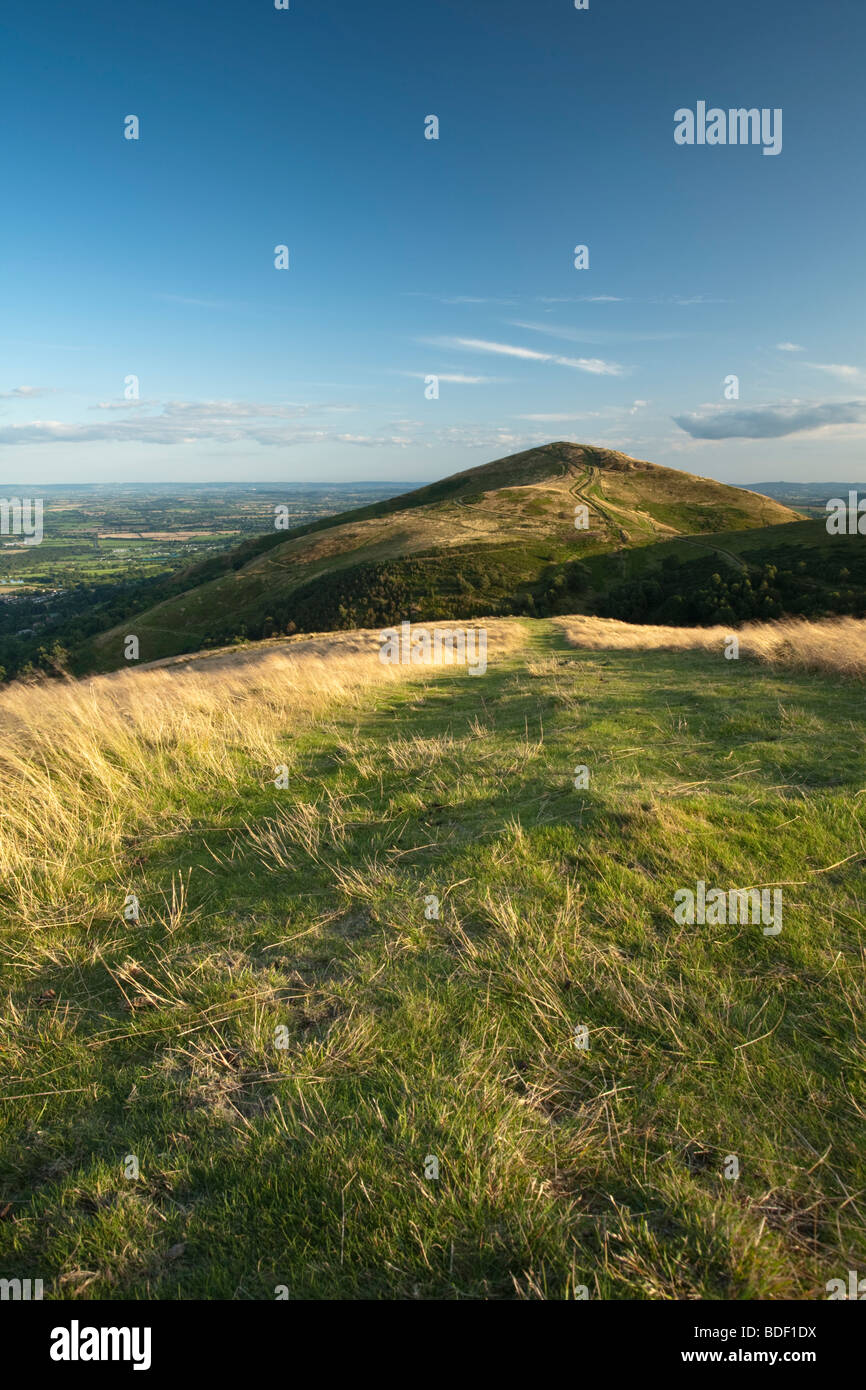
(501, 538)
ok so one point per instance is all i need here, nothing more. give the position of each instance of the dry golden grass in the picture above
(504, 635)
(833, 645)
(85, 764)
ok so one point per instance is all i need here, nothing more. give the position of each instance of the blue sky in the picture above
(411, 257)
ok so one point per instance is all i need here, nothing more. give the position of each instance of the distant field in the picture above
(810, 498)
(101, 533)
(107, 548)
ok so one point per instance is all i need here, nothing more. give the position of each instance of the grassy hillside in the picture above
(487, 540)
(770, 572)
(410, 1036)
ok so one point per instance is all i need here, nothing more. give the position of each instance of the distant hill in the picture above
(803, 491)
(806, 497)
(496, 539)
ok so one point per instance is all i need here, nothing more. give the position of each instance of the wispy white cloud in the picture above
(581, 299)
(790, 347)
(179, 422)
(457, 377)
(460, 298)
(590, 335)
(688, 299)
(596, 366)
(28, 392)
(611, 413)
(473, 299)
(839, 369)
(560, 417)
(627, 299)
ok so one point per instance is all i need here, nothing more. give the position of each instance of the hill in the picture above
(810, 498)
(793, 570)
(498, 538)
(420, 1023)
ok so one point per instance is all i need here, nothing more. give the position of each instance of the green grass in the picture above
(410, 1037)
